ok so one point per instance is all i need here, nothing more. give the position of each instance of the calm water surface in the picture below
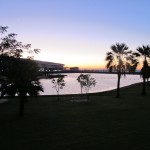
(104, 82)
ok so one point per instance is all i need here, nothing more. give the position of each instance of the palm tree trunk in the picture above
(118, 85)
(144, 87)
(144, 77)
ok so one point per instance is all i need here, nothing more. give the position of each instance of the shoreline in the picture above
(95, 93)
(79, 94)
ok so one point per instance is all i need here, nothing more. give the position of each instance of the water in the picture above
(104, 82)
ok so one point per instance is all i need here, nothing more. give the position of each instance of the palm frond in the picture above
(110, 69)
(129, 52)
(136, 54)
(109, 57)
(121, 47)
(114, 49)
(109, 64)
(109, 53)
(140, 50)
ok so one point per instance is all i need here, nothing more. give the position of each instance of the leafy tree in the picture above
(9, 46)
(3, 29)
(21, 80)
(20, 74)
(58, 84)
(80, 79)
(86, 82)
(143, 53)
(120, 60)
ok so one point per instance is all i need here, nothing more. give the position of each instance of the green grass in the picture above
(105, 123)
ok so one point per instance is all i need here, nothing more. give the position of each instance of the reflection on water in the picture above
(104, 82)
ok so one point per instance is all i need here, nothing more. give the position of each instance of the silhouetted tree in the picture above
(144, 53)
(20, 74)
(120, 60)
(86, 82)
(80, 79)
(9, 46)
(21, 80)
(145, 72)
(3, 29)
(58, 84)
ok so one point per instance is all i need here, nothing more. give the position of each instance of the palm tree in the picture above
(144, 54)
(120, 60)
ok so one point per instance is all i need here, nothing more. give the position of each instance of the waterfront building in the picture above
(45, 66)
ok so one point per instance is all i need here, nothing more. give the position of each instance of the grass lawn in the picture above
(105, 123)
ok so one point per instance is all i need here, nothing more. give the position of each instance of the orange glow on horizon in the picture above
(88, 67)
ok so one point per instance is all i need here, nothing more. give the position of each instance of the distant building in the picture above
(74, 68)
(66, 68)
(49, 66)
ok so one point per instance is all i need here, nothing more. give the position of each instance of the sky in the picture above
(77, 32)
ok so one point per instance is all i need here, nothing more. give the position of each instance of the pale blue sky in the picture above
(77, 32)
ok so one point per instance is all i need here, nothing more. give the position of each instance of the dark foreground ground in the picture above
(105, 123)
